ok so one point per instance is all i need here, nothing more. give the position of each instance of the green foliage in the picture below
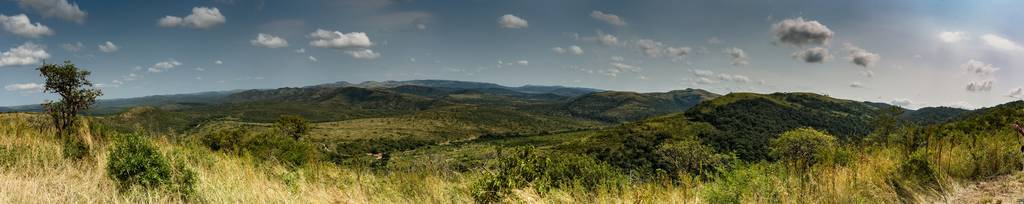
(803, 147)
(667, 144)
(76, 95)
(525, 167)
(293, 125)
(266, 146)
(134, 161)
(748, 122)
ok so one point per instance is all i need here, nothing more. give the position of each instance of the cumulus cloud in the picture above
(21, 26)
(26, 54)
(311, 58)
(655, 49)
(31, 87)
(608, 18)
(1000, 43)
(363, 54)
(338, 40)
(979, 68)
(523, 62)
(813, 55)
(576, 50)
(56, 8)
(800, 32)
(607, 39)
(978, 86)
(300, 50)
(269, 41)
(512, 21)
(739, 57)
(860, 56)
(734, 78)
(905, 103)
(72, 47)
(952, 36)
(131, 77)
(1017, 93)
(218, 62)
(201, 18)
(164, 65)
(108, 47)
(709, 77)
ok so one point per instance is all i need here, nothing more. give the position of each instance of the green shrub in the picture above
(265, 146)
(691, 156)
(134, 161)
(803, 147)
(526, 167)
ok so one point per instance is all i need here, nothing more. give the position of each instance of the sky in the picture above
(913, 53)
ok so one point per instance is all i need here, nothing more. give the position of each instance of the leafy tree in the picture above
(76, 95)
(294, 126)
(803, 146)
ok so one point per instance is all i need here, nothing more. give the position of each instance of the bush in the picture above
(691, 156)
(135, 162)
(803, 147)
(525, 167)
(267, 146)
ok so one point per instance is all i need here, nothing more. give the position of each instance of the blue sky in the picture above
(910, 53)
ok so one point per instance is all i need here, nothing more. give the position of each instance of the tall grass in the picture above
(32, 170)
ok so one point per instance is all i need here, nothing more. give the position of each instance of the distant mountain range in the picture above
(344, 100)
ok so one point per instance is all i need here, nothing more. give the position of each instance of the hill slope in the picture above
(616, 106)
(749, 121)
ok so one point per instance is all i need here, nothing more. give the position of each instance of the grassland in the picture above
(923, 169)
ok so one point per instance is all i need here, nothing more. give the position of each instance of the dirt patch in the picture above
(1002, 189)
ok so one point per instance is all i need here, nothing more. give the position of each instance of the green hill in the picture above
(614, 106)
(748, 121)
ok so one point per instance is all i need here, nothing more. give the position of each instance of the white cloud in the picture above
(856, 85)
(576, 50)
(363, 54)
(269, 41)
(714, 41)
(617, 58)
(978, 86)
(978, 67)
(702, 73)
(311, 58)
(734, 78)
(860, 56)
(300, 50)
(953, 36)
(813, 55)
(199, 69)
(607, 39)
(336, 39)
(705, 80)
(56, 8)
(108, 47)
(72, 47)
(905, 103)
(739, 57)
(421, 26)
(800, 32)
(218, 62)
(164, 65)
(608, 18)
(512, 21)
(625, 67)
(30, 87)
(523, 62)
(169, 21)
(650, 47)
(201, 18)
(26, 54)
(1000, 43)
(21, 26)
(1017, 93)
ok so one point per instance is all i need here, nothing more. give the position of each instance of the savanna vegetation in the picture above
(738, 148)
